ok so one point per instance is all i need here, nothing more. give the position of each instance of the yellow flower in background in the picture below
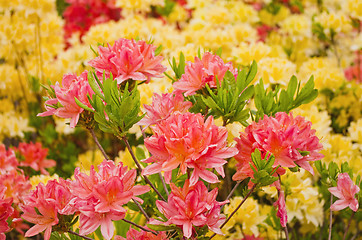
(13, 125)
(355, 131)
(139, 5)
(338, 21)
(245, 53)
(62, 127)
(89, 158)
(271, 19)
(178, 14)
(297, 26)
(353, 8)
(249, 216)
(35, 180)
(275, 70)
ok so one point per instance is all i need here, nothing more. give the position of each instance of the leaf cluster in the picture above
(271, 102)
(230, 97)
(115, 109)
(263, 169)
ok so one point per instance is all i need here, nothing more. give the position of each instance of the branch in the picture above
(236, 209)
(349, 224)
(140, 227)
(77, 234)
(330, 220)
(141, 208)
(140, 168)
(98, 144)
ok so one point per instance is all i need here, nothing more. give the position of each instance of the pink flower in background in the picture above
(202, 72)
(128, 59)
(185, 140)
(72, 86)
(34, 156)
(252, 237)
(282, 210)
(8, 161)
(17, 185)
(163, 106)
(290, 140)
(100, 196)
(133, 234)
(43, 205)
(346, 192)
(355, 71)
(192, 206)
(5, 212)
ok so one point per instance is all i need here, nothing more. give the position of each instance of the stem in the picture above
(349, 224)
(286, 232)
(330, 220)
(231, 193)
(142, 210)
(77, 234)
(98, 144)
(164, 184)
(140, 168)
(140, 227)
(236, 209)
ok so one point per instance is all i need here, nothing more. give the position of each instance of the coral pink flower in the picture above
(290, 140)
(192, 206)
(202, 72)
(101, 195)
(34, 156)
(282, 210)
(128, 59)
(5, 212)
(186, 140)
(346, 192)
(252, 237)
(43, 205)
(17, 185)
(72, 86)
(163, 106)
(8, 161)
(355, 71)
(133, 234)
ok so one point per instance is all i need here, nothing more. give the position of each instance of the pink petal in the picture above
(339, 205)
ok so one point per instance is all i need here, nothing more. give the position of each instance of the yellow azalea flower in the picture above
(36, 179)
(338, 21)
(354, 8)
(355, 131)
(248, 216)
(89, 158)
(270, 19)
(275, 70)
(245, 53)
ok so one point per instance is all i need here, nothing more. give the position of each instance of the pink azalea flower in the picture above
(128, 59)
(34, 156)
(101, 195)
(72, 86)
(282, 210)
(8, 161)
(355, 71)
(17, 185)
(202, 72)
(346, 192)
(192, 206)
(163, 106)
(133, 234)
(252, 237)
(5, 212)
(290, 140)
(43, 205)
(185, 140)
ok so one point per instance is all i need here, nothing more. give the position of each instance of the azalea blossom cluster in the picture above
(209, 70)
(290, 139)
(192, 206)
(97, 198)
(128, 59)
(14, 184)
(187, 141)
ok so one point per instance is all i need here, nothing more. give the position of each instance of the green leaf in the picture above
(162, 227)
(82, 105)
(93, 84)
(252, 72)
